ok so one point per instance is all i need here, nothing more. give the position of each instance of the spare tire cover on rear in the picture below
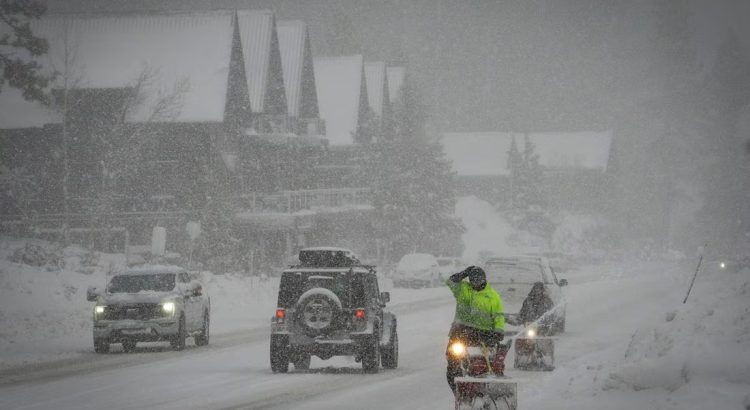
(317, 311)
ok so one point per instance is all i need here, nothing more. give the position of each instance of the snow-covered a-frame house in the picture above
(395, 77)
(299, 77)
(342, 97)
(574, 164)
(163, 81)
(378, 97)
(263, 71)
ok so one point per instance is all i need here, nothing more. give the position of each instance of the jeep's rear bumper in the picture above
(350, 344)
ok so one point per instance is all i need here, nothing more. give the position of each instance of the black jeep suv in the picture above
(330, 305)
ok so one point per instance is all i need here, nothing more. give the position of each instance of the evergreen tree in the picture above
(413, 187)
(513, 164)
(414, 197)
(530, 188)
(17, 44)
(526, 178)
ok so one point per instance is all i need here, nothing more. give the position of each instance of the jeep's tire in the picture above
(128, 345)
(202, 338)
(301, 361)
(371, 355)
(279, 355)
(101, 345)
(389, 354)
(317, 311)
(178, 341)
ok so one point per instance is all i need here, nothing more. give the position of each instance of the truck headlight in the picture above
(531, 333)
(168, 307)
(99, 310)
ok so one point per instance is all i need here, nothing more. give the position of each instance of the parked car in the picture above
(449, 265)
(330, 305)
(513, 277)
(417, 270)
(150, 303)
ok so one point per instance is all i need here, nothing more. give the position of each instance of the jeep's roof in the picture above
(327, 248)
(151, 270)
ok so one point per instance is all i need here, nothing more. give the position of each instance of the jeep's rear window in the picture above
(160, 282)
(348, 287)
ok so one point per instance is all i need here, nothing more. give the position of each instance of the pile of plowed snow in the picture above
(696, 357)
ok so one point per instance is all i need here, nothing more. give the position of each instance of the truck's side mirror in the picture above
(385, 297)
(92, 294)
(563, 282)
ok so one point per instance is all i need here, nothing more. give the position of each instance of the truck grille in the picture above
(139, 311)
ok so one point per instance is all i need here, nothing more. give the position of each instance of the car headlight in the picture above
(458, 349)
(99, 310)
(531, 332)
(722, 265)
(168, 307)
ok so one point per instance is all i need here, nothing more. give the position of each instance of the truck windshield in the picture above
(159, 282)
(513, 272)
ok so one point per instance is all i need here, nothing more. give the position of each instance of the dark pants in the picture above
(471, 337)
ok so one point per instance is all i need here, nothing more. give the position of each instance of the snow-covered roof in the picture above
(152, 270)
(292, 44)
(395, 81)
(110, 51)
(377, 86)
(339, 83)
(486, 153)
(260, 50)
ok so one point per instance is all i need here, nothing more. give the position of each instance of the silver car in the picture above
(513, 277)
(156, 303)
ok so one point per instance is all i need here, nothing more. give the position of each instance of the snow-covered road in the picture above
(604, 309)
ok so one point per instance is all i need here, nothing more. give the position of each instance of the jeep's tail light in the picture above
(280, 315)
(359, 313)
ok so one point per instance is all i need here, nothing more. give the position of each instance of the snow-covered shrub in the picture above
(35, 254)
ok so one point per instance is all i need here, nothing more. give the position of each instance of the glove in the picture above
(458, 277)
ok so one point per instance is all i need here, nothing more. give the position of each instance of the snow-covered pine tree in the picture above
(17, 42)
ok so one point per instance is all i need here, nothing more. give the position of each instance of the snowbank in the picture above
(694, 357)
(44, 313)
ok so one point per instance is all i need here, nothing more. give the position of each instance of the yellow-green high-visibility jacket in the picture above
(481, 309)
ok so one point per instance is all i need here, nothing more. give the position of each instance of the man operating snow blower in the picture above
(475, 353)
(535, 350)
(478, 320)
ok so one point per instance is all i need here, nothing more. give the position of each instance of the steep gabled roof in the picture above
(342, 96)
(377, 86)
(260, 49)
(297, 63)
(110, 51)
(395, 82)
(486, 153)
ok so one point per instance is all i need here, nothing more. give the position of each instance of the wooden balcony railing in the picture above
(301, 200)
